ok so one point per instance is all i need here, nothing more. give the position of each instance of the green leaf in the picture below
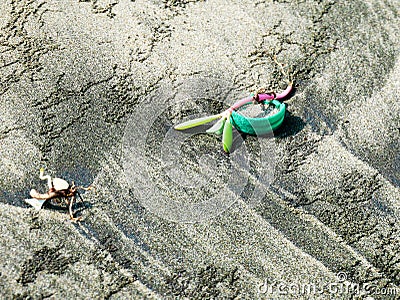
(227, 136)
(196, 122)
(218, 127)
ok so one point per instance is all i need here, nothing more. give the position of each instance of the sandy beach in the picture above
(91, 90)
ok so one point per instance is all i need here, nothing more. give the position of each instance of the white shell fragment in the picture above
(37, 204)
(60, 184)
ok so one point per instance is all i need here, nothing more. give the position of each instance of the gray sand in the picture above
(72, 74)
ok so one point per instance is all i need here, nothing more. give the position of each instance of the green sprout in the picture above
(222, 126)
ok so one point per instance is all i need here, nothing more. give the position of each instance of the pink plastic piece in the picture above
(277, 96)
(262, 97)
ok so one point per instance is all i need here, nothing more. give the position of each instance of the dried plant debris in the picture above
(59, 190)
